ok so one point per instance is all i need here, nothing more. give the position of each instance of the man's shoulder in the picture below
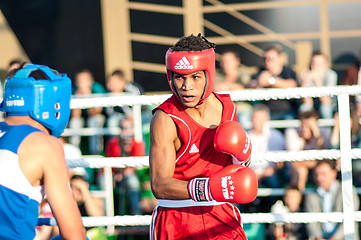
(167, 105)
(287, 70)
(275, 133)
(42, 139)
(223, 96)
(97, 88)
(133, 88)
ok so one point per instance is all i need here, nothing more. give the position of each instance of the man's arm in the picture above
(266, 79)
(56, 184)
(162, 156)
(284, 83)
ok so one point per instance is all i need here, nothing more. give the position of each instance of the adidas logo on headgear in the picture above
(183, 63)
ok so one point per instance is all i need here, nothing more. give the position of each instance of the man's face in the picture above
(272, 59)
(84, 80)
(306, 127)
(190, 87)
(293, 199)
(324, 176)
(116, 84)
(318, 62)
(259, 119)
(229, 61)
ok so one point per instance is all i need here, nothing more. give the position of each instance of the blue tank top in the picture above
(19, 200)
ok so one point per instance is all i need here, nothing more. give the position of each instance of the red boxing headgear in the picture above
(184, 62)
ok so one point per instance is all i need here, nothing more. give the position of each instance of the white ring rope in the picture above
(121, 162)
(144, 220)
(102, 162)
(104, 100)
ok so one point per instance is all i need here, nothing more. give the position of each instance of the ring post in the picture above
(346, 166)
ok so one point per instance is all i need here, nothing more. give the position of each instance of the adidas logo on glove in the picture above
(183, 63)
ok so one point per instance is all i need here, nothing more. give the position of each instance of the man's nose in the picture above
(187, 84)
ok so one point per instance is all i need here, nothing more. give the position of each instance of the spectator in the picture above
(355, 131)
(88, 205)
(275, 74)
(266, 139)
(352, 76)
(72, 152)
(319, 75)
(327, 197)
(232, 76)
(355, 142)
(292, 203)
(308, 136)
(127, 185)
(117, 84)
(85, 86)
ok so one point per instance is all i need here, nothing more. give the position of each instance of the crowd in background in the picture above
(132, 193)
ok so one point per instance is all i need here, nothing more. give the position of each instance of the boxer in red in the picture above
(198, 152)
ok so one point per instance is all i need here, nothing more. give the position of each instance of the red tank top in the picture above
(197, 156)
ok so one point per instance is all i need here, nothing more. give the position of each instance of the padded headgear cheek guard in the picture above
(45, 101)
(184, 62)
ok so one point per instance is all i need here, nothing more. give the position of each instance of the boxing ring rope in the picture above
(346, 154)
(144, 220)
(104, 100)
(279, 156)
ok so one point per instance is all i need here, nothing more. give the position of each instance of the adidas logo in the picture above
(183, 63)
(194, 149)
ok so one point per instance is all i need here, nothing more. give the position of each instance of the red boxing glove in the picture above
(234, 183)
(232, 139)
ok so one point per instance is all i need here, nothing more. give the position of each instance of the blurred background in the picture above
(104, 35)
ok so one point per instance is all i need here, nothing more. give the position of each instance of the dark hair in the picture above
(260, 107)
(192, 43)
(319, 53)
(233, 51)
(75, 177)
(15, 61)
(331, 163)
(119, 73)
(308, 114)
(84, 70)
(36, 74)
(276, 47)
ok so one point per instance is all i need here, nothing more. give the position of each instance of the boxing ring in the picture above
(346, 154)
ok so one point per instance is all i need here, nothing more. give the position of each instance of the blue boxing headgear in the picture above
(47, 101)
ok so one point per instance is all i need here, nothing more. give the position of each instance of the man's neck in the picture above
(25, 120)
(277, 70)
(207, 114)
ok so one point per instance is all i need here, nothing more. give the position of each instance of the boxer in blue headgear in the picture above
(37, 108)
(47, 100)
